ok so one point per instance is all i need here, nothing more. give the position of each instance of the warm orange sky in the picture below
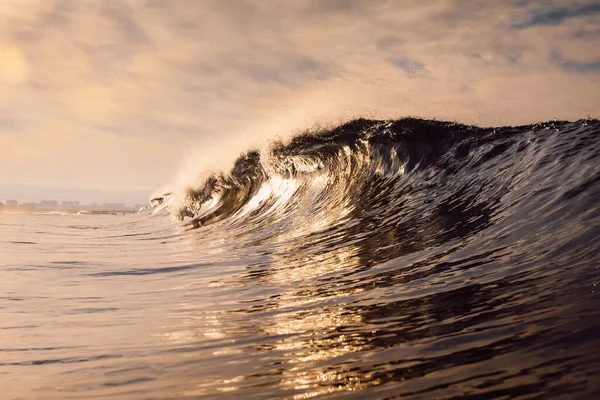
(118, 94)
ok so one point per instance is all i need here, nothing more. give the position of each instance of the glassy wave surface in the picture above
(411, 258)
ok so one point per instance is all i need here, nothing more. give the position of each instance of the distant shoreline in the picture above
(25, 211)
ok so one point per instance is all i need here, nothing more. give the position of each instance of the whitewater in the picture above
(404, 258)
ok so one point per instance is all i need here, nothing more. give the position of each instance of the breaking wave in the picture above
(440, 179)
(411, 258)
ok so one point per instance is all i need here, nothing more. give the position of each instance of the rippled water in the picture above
(414, 259)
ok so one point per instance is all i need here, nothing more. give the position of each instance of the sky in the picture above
(140, 95)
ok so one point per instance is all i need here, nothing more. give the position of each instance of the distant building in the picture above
(67, 205)
(12, 203)
(114, 206)
(45, 204)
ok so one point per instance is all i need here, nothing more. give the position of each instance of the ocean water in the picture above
(381, 259)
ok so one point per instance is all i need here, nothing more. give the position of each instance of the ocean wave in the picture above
(439, 180)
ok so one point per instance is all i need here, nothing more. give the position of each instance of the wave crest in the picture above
(443, 179)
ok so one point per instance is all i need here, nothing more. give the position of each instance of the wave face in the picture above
(417, 258)
(412, 183)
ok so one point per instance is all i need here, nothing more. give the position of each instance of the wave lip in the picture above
(386, 147)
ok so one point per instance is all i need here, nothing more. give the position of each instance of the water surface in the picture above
(409, 258)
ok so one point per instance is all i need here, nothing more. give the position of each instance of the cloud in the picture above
(356, 7)
(389, 42)
(572, 66)
(124, 21)
(592, 34)
(408, 65)
(559, 15)
(312, 68)
(8, 125)
(143, 80)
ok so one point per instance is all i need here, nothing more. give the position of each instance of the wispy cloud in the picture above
(572, 66)
(8, 125)
(408, 65)
(558, 15)
(143, 81)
